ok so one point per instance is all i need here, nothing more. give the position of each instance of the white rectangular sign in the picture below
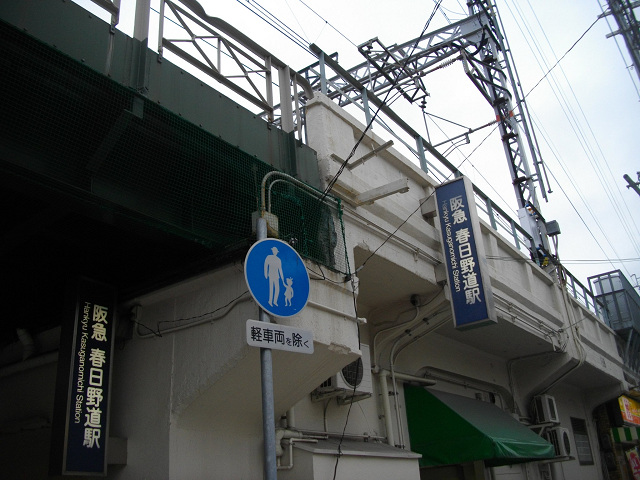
(279, 337)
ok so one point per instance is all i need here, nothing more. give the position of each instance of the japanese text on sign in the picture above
(80, 427)
(471, 296)
(89, 391)
(463, 263)
(279, 337)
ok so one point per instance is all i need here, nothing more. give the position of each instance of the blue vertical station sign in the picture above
(81, 424)
(468, 280)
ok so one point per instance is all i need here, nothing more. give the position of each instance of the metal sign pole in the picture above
(266, 370)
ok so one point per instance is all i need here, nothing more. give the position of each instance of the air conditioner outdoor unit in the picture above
(559, 438)
(350, 384)
(546, 409)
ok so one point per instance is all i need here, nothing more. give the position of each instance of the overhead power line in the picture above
(561, 58)
(275, 22)
(333, 181)
(610, 188)
(573, 261)
(326, 22)
(281, 27)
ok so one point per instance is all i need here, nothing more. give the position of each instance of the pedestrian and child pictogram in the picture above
(277, 277)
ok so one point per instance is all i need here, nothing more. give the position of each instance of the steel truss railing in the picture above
(244, 67)
(402, 68)
(234, 60)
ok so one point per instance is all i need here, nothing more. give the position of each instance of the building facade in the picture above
(149, 181)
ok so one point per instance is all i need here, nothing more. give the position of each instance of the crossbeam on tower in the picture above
(479, 44)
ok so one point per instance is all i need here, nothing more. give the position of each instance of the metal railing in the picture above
(234, 60)
(112, 7)
(585, 297)
(413, 144)
(440, 168)
(245, 68)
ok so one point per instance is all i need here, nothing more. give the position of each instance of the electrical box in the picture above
(553, 228)
(272, 223)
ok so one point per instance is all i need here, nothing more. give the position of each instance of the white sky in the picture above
(586, 113)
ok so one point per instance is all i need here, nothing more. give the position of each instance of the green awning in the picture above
(448, 429)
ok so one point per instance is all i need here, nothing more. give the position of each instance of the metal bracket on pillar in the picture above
(323, 75)
(140, 73)
(423, 159)
(365, 105)
(286, 110)
(631, 184)
(370, 196)
(367, 156)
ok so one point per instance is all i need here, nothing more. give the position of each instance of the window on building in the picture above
(581, 440)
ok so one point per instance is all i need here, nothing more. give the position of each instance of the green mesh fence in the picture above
(313, 227)
(82, 133)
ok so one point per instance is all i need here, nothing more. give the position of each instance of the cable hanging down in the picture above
(334, 180)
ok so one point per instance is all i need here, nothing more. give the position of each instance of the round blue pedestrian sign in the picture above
(277, 277)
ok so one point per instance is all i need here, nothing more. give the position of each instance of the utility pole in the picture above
(266, 377)
(632, 184)
(628, 27)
